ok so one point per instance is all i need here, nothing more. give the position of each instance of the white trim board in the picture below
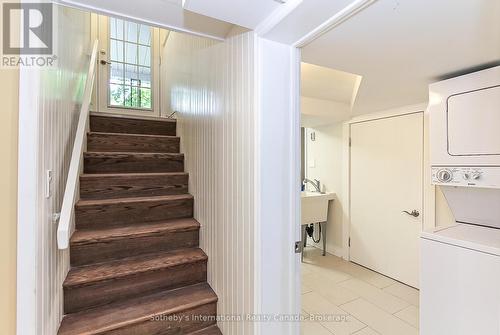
(340, 17)
(28, 208)
(101, 11)
(276, 16)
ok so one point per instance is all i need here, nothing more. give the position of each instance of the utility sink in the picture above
(315, 206)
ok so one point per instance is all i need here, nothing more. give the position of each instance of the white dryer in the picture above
(460, 270)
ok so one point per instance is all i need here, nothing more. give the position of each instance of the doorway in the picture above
(375, 178)
(129, 61)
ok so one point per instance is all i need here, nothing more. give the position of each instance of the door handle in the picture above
(105, 62)
(413, 213)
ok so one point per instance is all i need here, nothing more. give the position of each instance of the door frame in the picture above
(428, 191)
(100, 98)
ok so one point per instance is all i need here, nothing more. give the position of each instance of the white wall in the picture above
(316, 112)
(49, 105)
(9, 95)
(237, 119)
(279, 184)
(211, 86)
(326, 154)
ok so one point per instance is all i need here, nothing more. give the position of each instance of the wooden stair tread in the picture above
(81, 237)
(127, 124)
(99, 202)
(133, 311)
(97, 213)
(118, 117)
(130, 175)
(119, 154)
(125, 162)
(131, 135)
(129, 185)
(90, 274)
(126, 142)
(213, 330)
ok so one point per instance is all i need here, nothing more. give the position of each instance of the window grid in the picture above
(122, 100)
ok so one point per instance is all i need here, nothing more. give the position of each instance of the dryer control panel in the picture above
(483, 177)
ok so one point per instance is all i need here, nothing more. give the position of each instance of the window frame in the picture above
(124, 64)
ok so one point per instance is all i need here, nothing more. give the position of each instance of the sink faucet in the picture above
(314, 183)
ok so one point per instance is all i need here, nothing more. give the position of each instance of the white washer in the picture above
(460, 281)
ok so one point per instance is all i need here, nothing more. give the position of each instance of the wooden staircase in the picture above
(136, 266)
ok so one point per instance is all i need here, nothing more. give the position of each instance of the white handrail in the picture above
(66, 219)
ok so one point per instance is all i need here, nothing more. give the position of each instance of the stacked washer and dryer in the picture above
(460, 270)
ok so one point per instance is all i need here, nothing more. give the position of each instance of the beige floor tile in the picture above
(333, 274)
(320, 281)
(305, 288)
(366, 331)
(342, 324)
(306, 269)
(348, 327)
(314, 303)
(410, 315)
(377, 319)
(314, 257)
(337, 294)
(404, 292)
(376, 296)
(371, 277)
(313, 328)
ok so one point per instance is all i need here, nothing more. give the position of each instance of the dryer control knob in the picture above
(444, 175)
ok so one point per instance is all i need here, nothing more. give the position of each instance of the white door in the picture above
(128, 67)
(386, 180)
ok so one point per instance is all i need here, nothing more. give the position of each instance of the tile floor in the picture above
(362, 302)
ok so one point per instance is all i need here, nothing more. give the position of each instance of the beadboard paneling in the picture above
(60, 106)
(211, 86)
(54, 96)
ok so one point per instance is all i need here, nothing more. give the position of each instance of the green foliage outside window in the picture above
(132, 97)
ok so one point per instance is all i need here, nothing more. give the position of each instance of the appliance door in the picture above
(473, 120)
(459, 290)
(464, 114)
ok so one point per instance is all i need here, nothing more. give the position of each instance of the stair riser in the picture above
(166, 325)
(101, 252)
(81, 298)
(122, 214)
(121, 163)
(129, 143)
(93, 188)
(131, 126)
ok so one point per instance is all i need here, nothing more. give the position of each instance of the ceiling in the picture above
(163, 13)
(399, 47)
(326, 95)
(327, 84)
(245, 13)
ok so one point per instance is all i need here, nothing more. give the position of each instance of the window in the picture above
(130, 72)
